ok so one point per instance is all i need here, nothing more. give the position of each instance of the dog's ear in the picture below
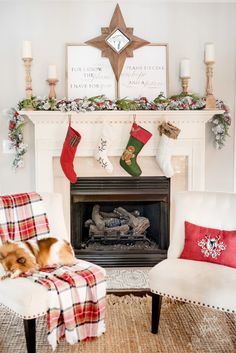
(21, 260)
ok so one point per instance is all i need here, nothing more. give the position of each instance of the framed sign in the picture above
(88, 73)
(146, 73)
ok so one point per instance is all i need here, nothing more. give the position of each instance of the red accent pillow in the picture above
(210, 245)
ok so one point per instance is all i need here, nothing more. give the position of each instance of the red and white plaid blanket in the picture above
(22, 217)
(76, 301)
(76, 294)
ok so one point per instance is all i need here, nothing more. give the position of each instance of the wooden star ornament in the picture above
(117, 42)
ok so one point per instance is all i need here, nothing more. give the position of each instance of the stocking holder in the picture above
(210, 99)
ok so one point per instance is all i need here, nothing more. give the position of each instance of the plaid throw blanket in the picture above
(76, 301)
(76, 294)
(22, 217)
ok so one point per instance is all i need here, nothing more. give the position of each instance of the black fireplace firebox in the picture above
(120, 221)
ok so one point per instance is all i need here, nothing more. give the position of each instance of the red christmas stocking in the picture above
(68, 153)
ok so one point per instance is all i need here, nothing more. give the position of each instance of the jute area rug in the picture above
(184, 328)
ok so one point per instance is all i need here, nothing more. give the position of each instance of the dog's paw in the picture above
(6, 275)
(15, 274)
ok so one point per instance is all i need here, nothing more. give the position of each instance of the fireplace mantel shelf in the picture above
(51, 117)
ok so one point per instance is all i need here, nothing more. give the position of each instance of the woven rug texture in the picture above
(184, 328)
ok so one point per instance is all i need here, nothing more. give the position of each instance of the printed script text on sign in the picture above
(88, 74)
(145, 74)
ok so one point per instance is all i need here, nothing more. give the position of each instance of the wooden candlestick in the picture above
(52, 83)
(28, 79)
(210, 99)
(184, 84)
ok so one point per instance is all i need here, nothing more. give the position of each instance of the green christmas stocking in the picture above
(138, 138)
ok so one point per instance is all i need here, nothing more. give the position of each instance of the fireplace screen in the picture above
(125, 224)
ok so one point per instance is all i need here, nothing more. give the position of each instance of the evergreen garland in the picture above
(219, 123)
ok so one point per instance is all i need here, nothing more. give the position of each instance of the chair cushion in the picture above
(198, 282)
(210, 245)
(26, 298)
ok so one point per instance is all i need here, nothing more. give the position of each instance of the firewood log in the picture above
(97, 218)
(133, 221)
(88, 223)
(122, 230)
(112, 222)
(143, 224)
(109, 214)
(135, 213)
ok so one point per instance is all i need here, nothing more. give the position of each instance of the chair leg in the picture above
(156, 310)
(30, 335)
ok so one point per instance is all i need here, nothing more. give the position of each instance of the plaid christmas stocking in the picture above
(102, 148)
(68, 153)
(138, 138)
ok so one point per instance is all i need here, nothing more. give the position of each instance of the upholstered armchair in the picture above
(202, 283)
(25, 298)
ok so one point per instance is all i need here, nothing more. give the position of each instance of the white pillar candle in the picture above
(184, 68)
(209, 52)
(26, 51)
(52, 72)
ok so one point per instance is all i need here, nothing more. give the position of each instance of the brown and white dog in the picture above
(28, 256)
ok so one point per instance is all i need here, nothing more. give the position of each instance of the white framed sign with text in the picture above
(88, 73)
(146, 73)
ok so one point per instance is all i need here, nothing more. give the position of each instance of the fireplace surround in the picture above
(50, 129)
(149, 195)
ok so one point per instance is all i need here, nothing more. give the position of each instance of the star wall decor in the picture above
(117, 42)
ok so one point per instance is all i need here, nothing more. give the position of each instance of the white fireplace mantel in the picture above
(50, 130)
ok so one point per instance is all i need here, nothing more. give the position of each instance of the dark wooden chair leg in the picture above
(30, 335)
(156, 310)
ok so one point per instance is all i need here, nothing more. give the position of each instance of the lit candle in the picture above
(52, 72)
(209, 52)
(184, 68)
(26, 52)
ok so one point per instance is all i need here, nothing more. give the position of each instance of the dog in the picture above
(31, 255)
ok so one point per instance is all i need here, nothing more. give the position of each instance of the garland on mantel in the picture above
(15, 136)
(219, 123)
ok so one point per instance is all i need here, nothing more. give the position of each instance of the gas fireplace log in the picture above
(133, 221)
(142, 226)
(112, 222)
(135, 213)
(122, 230)
(109, 214)
(97, 218)
(88, 223)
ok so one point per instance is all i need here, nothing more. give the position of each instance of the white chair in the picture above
(207, 284)
(27, 299)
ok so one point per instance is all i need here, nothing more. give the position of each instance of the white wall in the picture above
(52, 24)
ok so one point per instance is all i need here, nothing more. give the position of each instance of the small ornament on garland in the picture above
(15, 136)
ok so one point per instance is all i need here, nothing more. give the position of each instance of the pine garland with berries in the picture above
(16, 138)
(220, 123)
